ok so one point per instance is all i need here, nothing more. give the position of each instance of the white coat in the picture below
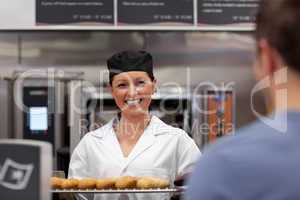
(162, 151)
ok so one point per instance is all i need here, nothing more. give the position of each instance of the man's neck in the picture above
(287, 96)
(293, 96)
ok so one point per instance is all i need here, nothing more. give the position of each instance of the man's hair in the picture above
(278, 21)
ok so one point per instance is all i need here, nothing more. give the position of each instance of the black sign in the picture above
(85, 12)
(19, 172)
(163, 12)
(223, 12)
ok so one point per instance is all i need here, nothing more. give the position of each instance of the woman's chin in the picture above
(134, 111)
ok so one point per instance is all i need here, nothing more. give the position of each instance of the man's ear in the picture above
(268, 58)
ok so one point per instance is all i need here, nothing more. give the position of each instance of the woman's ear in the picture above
(154, 85)
(109, 88)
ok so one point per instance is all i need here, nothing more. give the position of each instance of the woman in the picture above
(135, 142)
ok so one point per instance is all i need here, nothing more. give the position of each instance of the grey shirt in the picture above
(257, 163)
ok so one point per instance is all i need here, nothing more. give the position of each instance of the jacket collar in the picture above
(104, 130)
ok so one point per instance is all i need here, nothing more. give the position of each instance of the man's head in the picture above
(278, 33)
(278, 51)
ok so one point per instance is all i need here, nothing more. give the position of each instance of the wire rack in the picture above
(166, 190)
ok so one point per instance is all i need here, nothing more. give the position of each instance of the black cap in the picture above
(126, 61)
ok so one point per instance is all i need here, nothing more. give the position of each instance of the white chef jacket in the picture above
(162, 149)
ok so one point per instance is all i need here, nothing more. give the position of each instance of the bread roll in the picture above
(56, 182)
(87, 183)
(162, 183)
(107, 183)
(69, 184)
(152, 183)
(126, 182)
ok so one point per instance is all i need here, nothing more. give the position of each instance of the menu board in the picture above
(78, 12)
(148, 14)
(155, 12)
(227, 12)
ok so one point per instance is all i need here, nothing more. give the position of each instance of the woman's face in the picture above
(132, 92)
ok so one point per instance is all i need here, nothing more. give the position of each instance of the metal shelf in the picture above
(106, 191)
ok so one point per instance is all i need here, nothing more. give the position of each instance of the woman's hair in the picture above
(278, 21)
(130, 60)
(111, 77)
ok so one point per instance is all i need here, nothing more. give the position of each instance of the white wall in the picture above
(17, 14)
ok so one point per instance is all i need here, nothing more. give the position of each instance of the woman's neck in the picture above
(135, 119)
(132, 127)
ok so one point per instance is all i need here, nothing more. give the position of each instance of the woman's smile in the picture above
(132, 92)
(133, 102)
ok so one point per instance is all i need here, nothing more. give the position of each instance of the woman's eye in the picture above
(121, 85)
(141, 82)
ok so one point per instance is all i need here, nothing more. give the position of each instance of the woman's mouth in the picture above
(132, 102)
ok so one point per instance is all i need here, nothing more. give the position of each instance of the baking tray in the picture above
(106, 191)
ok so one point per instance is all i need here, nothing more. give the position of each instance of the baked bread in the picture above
(56, 182)
(107, 183)
(126, 182)
(69, 184)
(88, 183)
(152, 183)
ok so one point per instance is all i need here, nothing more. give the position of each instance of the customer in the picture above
(262, 162)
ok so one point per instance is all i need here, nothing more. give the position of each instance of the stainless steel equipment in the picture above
(40, 111)
(213, 113)
(6, 108)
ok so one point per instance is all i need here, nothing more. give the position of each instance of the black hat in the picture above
(126, 61)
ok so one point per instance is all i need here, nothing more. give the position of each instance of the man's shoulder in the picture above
(250, 140)
(257, 157)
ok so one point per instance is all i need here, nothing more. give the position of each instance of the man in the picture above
(262, 161)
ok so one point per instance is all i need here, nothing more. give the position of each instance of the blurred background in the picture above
(186, 63)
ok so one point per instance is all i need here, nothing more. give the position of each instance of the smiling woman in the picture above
(135, 143)
(132, 92)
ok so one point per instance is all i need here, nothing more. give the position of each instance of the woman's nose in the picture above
(132, 90)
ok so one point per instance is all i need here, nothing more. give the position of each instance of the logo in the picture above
(15, 176)
(278, 119)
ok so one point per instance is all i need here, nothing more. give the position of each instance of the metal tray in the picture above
(167, 190)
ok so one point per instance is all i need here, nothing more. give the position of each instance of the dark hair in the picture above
(130, 60)
(278, 21)
(111, 77)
